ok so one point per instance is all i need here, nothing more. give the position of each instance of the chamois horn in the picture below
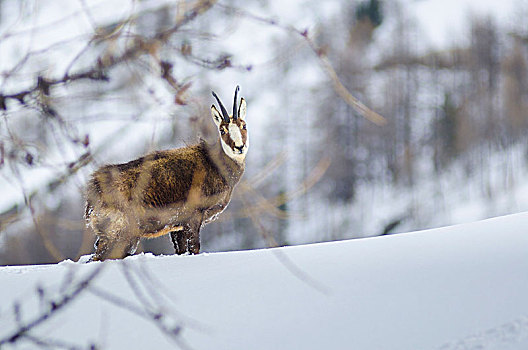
(222, 108)
(235, 103)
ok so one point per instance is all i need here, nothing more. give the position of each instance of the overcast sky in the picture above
(444, 20)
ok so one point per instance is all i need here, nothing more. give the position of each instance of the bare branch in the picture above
(54, 307)
(293, 268)
(144, 309)
(138, 47)
(338, 86)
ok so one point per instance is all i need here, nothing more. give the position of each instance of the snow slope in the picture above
(459, 287)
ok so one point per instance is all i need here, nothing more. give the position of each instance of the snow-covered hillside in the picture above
(460, 287)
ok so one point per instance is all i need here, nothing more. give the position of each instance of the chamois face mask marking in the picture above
(233, 132)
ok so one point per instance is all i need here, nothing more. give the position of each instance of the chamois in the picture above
(175, 191)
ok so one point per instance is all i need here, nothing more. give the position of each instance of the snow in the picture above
(458, 287)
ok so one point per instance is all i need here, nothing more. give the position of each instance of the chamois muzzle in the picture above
(222, 108)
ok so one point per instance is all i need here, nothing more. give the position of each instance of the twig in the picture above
(54, 343)
(293, 268)
(118, 301)
(55, 307)
(272, 205)
(339, 88)
(145, 309)
(138, 47)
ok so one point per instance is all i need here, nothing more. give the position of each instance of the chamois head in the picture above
(232, 128)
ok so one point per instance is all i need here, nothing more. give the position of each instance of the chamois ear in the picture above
(217, 118)
(242, 109)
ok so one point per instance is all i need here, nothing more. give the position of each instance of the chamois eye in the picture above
(244, 127)
(222, 132)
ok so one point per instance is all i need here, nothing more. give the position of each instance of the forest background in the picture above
(86, 83)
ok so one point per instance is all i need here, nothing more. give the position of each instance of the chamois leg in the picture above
(193, 240)
(103, 246)
(131, 248)
(179, 242)
(187, 240)
(106, 248)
